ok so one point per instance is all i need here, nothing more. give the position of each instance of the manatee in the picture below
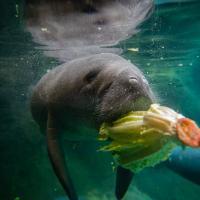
(87, 91)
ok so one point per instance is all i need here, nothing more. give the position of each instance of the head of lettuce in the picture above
(145, 138)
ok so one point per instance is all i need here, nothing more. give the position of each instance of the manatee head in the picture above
(127, 91)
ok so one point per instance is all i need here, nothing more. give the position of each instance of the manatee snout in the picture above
(129, 91)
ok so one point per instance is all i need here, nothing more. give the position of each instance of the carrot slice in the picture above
(188, 132)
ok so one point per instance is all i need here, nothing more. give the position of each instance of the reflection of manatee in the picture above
(90, 90)
(94, 89)
(71, 29)
(87, 92)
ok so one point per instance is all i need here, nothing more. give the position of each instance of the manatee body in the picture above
(87, 92)
(93, 90)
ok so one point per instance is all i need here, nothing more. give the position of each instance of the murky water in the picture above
(167, 49)
(169, 55)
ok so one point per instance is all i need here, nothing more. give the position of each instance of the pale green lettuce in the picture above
(141, 139)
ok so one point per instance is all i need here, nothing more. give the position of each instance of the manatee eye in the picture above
(91, 76)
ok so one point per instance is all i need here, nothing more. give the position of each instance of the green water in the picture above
(168, 53)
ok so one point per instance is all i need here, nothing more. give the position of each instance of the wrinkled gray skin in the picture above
(87, 91)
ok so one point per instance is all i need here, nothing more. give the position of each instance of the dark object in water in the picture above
(124, 176)
(186, 162)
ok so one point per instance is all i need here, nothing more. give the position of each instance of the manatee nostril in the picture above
(133, 80)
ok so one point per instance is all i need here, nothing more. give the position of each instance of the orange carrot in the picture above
(188, 132)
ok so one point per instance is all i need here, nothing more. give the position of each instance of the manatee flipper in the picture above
(56, 156)
(123, 180)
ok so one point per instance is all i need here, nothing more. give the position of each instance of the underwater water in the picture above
(167, 50)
